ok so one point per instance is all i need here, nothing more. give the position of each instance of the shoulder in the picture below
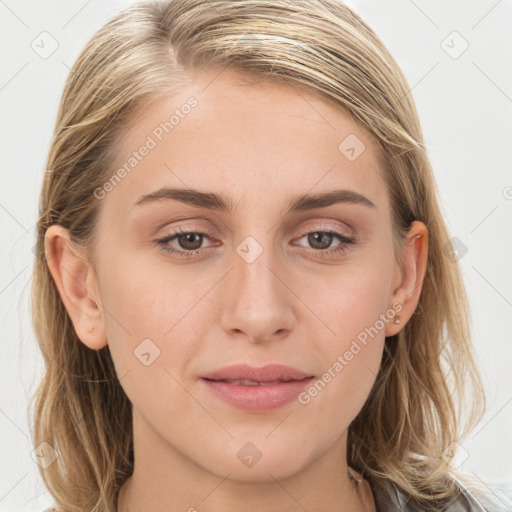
(489, 496)
(474, 496)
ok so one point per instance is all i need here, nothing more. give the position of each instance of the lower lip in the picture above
(257, 398)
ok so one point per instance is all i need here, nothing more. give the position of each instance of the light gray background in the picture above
(465, 105)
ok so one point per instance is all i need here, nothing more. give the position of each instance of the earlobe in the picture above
(76, 282)
(407, 293)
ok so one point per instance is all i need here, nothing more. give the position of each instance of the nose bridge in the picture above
(258, 302)
(255, 268)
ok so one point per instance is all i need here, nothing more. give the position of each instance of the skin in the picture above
(260, 144)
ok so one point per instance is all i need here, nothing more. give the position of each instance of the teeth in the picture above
(245, 382)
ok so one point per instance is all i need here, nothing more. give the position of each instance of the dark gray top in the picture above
(479, 497)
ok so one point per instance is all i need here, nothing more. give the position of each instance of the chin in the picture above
(259, 461)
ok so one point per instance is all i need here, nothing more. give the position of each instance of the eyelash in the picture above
(164, 247)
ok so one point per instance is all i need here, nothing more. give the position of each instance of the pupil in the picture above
(191, 238)
(319, 235)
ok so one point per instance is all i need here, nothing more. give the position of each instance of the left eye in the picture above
(190, 242)
(320, 238)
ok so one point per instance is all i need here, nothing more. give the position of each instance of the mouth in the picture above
(257, 389)
(271, 373)
(245, 382)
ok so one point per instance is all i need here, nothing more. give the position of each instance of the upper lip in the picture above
(269, 373)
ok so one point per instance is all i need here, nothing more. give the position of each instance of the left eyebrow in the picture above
(212, 201)
(312, 201)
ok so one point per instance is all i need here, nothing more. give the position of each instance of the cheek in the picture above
(144, 300)
(150, 326)
(333, 401)
(354, 312)
(354, 307)
(137, 314)
(346, 301)
(155, 318)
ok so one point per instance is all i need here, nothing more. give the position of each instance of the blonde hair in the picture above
(405, 429)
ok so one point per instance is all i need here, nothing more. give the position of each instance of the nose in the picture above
(259, 303)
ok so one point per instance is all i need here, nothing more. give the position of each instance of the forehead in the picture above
(257, 141)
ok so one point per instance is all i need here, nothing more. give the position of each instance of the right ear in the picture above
(76, 281)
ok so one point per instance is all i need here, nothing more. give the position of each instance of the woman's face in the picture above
(257, 281)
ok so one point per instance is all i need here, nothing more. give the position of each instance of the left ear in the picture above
(409, 279)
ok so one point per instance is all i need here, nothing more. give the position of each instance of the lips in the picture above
(245, 382)
(256, 389)
(272, 373)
